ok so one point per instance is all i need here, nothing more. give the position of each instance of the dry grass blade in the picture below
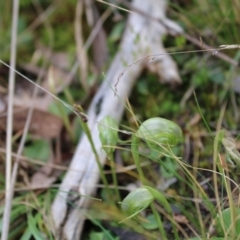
(8, 196)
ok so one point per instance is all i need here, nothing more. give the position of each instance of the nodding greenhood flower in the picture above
(160, 131)
(108, 134)
(136, 201)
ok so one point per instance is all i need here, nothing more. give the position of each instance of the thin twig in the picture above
(119, 169)
(97, 28)
(7, 210)
(81, 51)
(216, 53)
(31, 108)
(188, 37)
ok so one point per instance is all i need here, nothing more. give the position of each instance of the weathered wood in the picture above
(142, 37)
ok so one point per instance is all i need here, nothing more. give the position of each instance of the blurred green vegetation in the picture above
(212, 21)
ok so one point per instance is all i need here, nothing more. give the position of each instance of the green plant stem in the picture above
(202, 115)
(163, 201)
(231, 206)
(89, 136)
(65, 121)
(135, 153)
(159, 222)
(114, 176)
(217, 140)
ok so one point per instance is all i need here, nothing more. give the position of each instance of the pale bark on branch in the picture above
(142, 37)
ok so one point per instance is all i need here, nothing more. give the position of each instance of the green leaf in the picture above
(96, 236)
(39, 149)
(180, 41)
(116, 33)
(225, 217)
(32, 221)
(59, 111)
(169, 168)
(151, 224)
(101, 236)
(26, 235)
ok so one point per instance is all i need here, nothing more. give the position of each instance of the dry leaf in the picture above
(43, 124)
(181, 219)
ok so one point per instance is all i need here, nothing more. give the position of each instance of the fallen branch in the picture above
(142, 37)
